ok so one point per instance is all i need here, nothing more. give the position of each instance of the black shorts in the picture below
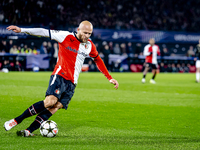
(61, 88)
(153, 66)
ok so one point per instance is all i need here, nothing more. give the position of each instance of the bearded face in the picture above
(84, 31)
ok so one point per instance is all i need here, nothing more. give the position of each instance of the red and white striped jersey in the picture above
(71, 54)
(151, 53)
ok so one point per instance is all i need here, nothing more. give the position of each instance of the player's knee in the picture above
(55, 107)
(50, 101)
(58, 105)
(146, 69)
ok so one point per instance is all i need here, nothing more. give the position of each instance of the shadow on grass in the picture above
(65, 140)
(121, 140)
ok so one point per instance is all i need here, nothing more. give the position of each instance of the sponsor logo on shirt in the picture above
(76, 51)
(71, 49)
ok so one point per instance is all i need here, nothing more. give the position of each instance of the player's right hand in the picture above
(113, 81)
(14, 28)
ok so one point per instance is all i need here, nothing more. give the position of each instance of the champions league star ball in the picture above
(49, 128)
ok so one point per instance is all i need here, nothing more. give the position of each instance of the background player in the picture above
(151, 51)
(73, 49)
(197, 59)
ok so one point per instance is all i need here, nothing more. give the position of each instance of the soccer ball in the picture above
(48, 128)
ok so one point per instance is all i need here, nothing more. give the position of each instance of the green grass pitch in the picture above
(136, 116)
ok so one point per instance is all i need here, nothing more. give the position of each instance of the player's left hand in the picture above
(16, 29)
(113, 81)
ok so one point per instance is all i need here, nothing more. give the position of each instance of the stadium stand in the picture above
(170, 15)
(146, 15)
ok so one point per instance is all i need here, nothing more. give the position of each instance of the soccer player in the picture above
(73, 49)
(151, 51)
(197, 59)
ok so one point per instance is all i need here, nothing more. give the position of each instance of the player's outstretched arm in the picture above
(31, 31)
(16, 29)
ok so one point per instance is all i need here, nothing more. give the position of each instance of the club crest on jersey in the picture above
(86, 46)
(57, 91)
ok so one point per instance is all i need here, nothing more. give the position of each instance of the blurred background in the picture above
(121, 30)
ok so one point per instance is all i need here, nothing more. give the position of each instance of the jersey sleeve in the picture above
(57, 35)
(146, 51)
(102, 68)
(36, 31)
(94, 52)
(99, 62)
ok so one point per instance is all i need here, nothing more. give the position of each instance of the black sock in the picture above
(154, 76)
(43, 116)
(32, 110)
(144, 75)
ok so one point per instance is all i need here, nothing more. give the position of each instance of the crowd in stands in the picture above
(134, 50)
(8, 47)
(46, 48)
(168, 15)
(182, 15)
(175, 68)
(129, 50)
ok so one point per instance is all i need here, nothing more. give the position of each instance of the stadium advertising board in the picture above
(125, 36)
(144, 36)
